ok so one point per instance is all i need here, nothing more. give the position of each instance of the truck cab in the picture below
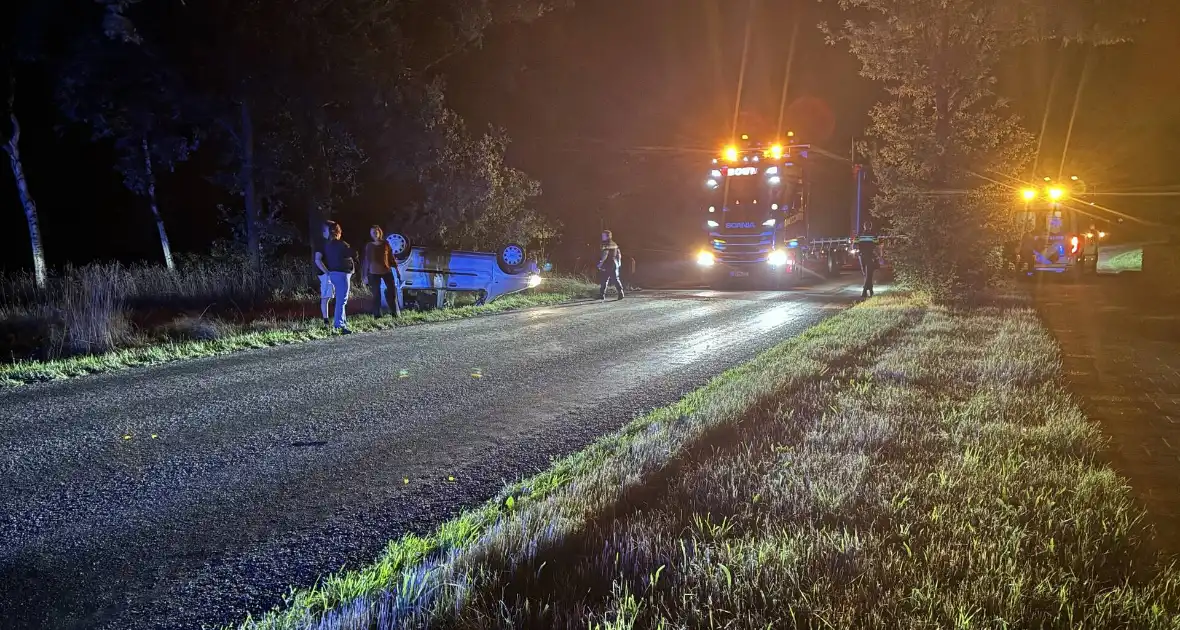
(754, 204)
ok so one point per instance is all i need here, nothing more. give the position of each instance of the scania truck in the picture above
(756, 196)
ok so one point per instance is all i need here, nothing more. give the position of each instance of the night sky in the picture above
(615, 105)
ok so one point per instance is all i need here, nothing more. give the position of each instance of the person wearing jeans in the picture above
(338, 260)
(379, 266)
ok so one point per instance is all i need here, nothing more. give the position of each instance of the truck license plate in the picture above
(739, 274)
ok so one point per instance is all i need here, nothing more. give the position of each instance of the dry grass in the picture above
(901, 466)
(101, 318)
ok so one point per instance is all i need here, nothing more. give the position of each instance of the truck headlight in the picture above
(705, 259)
(777, 258)
(768, 223)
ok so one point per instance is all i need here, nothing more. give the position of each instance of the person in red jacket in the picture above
(379, 266)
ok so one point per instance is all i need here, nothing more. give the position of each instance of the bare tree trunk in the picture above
(151, 178)
(253, 238)
(12, 147)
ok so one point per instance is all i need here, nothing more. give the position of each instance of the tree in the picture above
(941, 128)
(944, 129)
(125, 94)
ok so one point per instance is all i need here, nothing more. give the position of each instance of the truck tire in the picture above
(511, 258)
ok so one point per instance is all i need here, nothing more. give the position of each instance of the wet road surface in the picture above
(196, 492)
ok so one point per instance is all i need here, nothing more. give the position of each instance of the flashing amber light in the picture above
(745, 137)
(1102, 235)
(776, 151)
(731, 154)
(1029, 194)
(790, 134)
(1056, 193)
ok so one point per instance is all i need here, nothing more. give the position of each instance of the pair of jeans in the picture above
(609, 276)
(391, 293)
(341, 280)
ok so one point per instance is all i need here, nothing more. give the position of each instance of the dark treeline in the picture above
(292, 107)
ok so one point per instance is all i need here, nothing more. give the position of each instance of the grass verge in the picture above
(900, 465)
(225, 338)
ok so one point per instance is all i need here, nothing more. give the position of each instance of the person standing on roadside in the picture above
(866, 246)
(379, 266)
(321, 269)
(339, 262)
(609, 264)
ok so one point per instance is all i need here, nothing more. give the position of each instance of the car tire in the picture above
(511, 258)
(400, 245)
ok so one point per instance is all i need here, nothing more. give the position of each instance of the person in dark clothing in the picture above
(338, 262)
(866, 246)
(609, 264)
(379, 266)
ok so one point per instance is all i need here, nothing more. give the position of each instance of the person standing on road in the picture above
(609, 264)
(866, 246)
(339, 262)
(379, 266)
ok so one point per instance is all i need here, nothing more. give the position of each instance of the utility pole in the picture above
(858, 172)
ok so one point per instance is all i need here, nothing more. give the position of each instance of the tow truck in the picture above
(756, 196)
(429, 274)
(1051, 238)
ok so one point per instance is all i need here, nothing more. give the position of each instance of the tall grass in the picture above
(97, 308)
(903, 466)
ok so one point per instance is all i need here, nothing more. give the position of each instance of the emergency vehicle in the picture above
(1052, 236)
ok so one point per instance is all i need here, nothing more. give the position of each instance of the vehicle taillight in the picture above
(1073, 245)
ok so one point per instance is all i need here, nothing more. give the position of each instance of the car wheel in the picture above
(511, 258)
(400, 245)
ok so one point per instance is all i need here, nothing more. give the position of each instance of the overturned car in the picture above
(428, 274)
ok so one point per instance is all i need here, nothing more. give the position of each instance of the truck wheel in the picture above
(511, 258)
(400, 245)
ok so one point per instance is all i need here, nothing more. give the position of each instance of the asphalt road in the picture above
(249, 473)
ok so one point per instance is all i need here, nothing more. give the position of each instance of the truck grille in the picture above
(738, 248)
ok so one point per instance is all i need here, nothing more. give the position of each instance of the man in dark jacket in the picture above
(608, 266)
(338, 262)
(866, 246)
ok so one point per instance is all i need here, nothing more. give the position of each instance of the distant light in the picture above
(768, 223)
(1102, 235)
(712, 208)
(1048, 179)
(714, 160)
(1074, 177)
(746, 159)
(774, 181)
(712, 223)
(772, 170)
(755, 158)
(705, 259)
(776, 151)
(774, 206)
(745, 137)
(777, 258)
(1029, 194)
(712, 183)
(716, 173)
(731, 154)
(790, 134)
(534, 281)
